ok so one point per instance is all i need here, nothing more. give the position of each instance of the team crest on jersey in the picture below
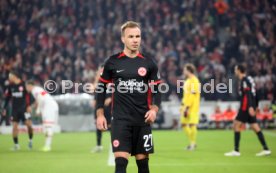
(21, 88)
(142, 71)
(116, 143)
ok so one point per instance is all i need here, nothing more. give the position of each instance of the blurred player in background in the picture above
(21, 110)
(189, 109)
(247, 112)
(107, 110)
(48, 108)
(4, 117)
(133, 111)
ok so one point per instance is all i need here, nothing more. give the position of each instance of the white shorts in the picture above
(50, 114)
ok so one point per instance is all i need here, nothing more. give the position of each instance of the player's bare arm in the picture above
(101, 121)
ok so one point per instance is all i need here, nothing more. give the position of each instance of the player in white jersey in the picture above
(48, 108)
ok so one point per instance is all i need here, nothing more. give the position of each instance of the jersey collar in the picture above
(122, 54)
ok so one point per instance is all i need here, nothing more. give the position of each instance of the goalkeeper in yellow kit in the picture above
(190, 105)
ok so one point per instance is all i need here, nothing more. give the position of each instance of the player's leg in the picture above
(121, 161)
(187, 130)
(142, 147)
(121, 136)
(237, 132)
(193, 121)
(241, 118)
(99, 146)
(49, 132)
(142, 161)
(15, 135)
(193, 135)
(261, 138)
(99, 137)
(28, 123)
(50, 119)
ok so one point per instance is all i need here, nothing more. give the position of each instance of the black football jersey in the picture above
(247, 93)
(19, 97)
(131, 78)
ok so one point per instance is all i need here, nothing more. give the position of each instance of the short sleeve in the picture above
(244, 85)
(106, 75)
(154, 74)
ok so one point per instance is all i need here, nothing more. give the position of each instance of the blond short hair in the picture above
(190, 67)
(129, 24)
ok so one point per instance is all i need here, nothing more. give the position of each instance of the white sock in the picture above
(48, 141)
(49, 135)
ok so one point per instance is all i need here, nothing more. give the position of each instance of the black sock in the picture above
(31, 135)
(30, 132)
(143, 165)
(262, 140)
(121, 164)
(99, 137)
(237, 141)
(15, 140)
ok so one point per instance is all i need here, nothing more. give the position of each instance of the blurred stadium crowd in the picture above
(69, 39)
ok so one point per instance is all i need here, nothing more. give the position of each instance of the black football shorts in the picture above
(18, 116)
(131, 139)
(245, 117)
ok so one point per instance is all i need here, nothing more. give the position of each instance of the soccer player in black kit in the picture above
(247, 112)
(17, 93)
(134, 107)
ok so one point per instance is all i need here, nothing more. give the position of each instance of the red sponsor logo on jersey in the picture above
(43, 93)
(21, 88)
(116, 143)
(142, 71)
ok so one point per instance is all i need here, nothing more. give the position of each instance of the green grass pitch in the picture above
(71, 154)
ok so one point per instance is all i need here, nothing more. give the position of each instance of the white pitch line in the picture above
(270, 134)
(207, 164)
(111, 159)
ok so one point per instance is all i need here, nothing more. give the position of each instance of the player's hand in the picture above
(251, 111)
(101, 123)
(29, 109)
(186, 112)
(150, 116)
